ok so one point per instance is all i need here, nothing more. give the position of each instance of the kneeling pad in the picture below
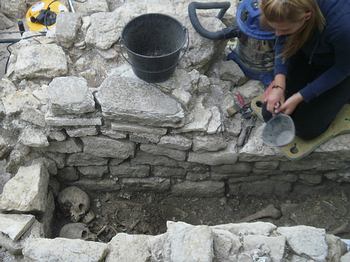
(300, 148)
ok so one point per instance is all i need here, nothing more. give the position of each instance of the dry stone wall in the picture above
(74, 114)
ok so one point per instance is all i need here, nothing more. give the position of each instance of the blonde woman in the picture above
(312, 64)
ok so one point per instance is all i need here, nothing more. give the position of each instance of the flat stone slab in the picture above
(190, 243)
(228, 156)
(64, 250)
(14, 225)
(306, 241)
(132, 100)
(106, 147)
(79, 101)
(125, 248)
(46, 60)
(26, 191)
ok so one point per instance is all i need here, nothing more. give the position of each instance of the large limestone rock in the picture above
(64, 250)
(106, 147)
(26, 191)
(46, 60)
(70, 95)
(67, 26)
(125, 248)
(14, 8)
(132, 100)
(190, 243)
(306, 241)
(14, 226)
(90, 6)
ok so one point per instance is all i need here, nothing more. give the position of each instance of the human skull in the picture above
(74, 203)
(77, 231)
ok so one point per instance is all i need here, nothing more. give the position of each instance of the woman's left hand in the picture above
(290, 104)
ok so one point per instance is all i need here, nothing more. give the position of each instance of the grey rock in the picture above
(199, 119)
(83, 159)
(67, 26)
(115, 161)
(306, 241)
(156, 184)
(250, 90)
(14, 9)
(119, 248)
(93, 171)
(104, 30)
(226, 245)
(215, 125)
(228, 156)
(18, 101)
(106, 147)
(162, 171)
(47, 60)
(47, 217)
(144, 138)
(157, 150)
(105, 185)
(274, 246)
(130, 100)
(26, 191)
(310, 179)
(229, 71)
(209, 143)
(143, 158)
(255, 150)
(60, 249)
(33, 116)
(336, 248)
(175, 142)
(5, 22)
(80, 132)
(14, 226)
(66, 147)
(69, 121)
(238, 169)
(197, 176)
(48, 163)
(260, 188)
(187, 242)
(134, 128)
(68, 174)
(270, 165)
(16, 247)
(127, 170)
(91, 6)
(345, 258)
(254, 228)
(113, 134)
(70, 95)
(198, 189)
(33, 138)
(57, 135)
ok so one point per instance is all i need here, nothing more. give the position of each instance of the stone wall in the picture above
(74, 114)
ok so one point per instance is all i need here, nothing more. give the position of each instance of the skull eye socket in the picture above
(81, 206)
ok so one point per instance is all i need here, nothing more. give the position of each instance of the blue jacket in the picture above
(330, 48)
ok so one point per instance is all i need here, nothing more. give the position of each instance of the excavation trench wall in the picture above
(74, 114)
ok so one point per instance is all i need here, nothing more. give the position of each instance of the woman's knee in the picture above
(308, 132)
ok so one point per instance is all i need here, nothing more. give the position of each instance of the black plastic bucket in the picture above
(153, 43)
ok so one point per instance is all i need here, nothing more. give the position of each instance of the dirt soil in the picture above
(325, 206)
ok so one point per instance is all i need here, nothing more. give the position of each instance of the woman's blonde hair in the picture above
(293, 11)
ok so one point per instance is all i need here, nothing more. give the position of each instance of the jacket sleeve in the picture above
(340, 40)
(281, 66)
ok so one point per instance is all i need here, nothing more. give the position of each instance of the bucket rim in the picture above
(159, 56)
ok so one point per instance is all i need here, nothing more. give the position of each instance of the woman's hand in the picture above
(273, 99)
(291, 103)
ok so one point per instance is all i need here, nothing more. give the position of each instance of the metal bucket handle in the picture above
(183, 50)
